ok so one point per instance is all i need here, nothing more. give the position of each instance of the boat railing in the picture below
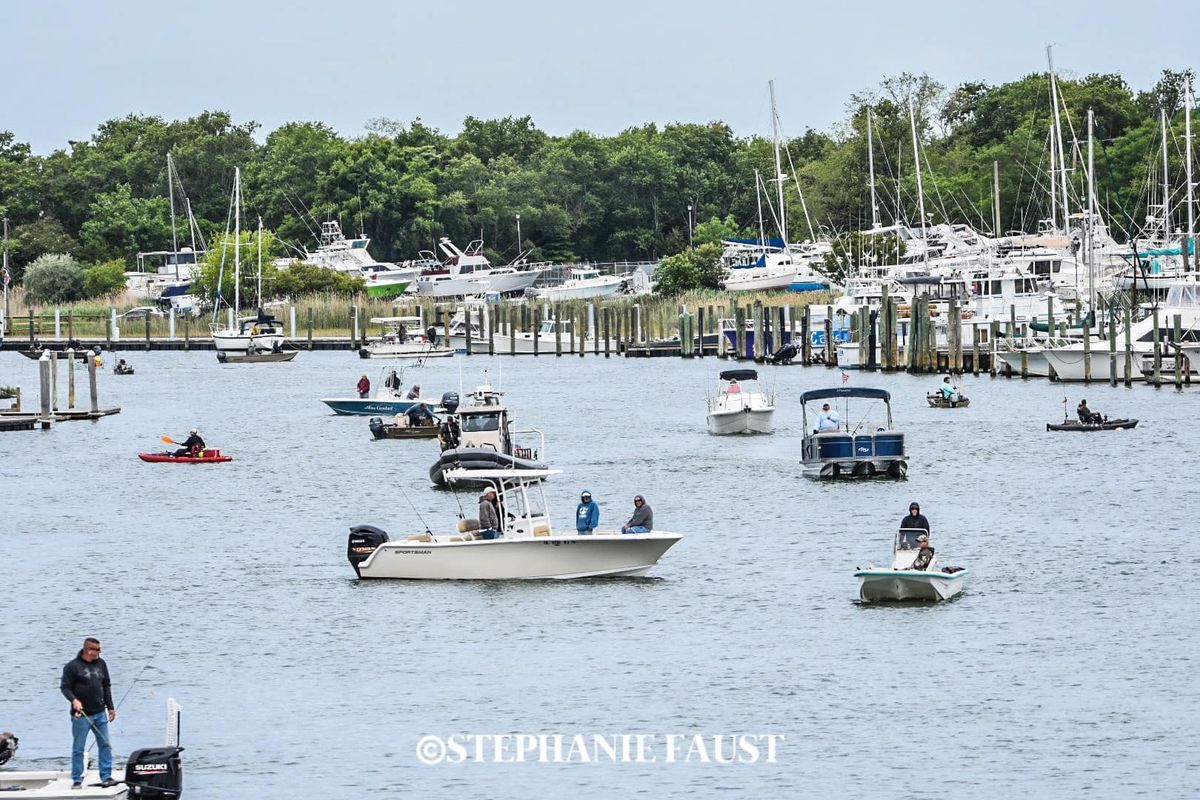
(529, 453)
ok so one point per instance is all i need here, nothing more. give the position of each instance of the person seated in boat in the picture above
(642, 520)
(489, 515)
(277, 347)
(364, 387)
(419, 415)
(924, 554)
(914, 518)
(733, 388)
(827, 420)
(948, 389)
(414, 392)
(192, 446)
(121, 365)
(1086, 415)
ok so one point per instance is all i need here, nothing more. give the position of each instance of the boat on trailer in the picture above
(528, 549)
(902, 582)
(867, 451)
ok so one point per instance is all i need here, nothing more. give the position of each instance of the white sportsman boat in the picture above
(402, 338)
(902, 582)
(581, 283)
(741, 406)
(528, 549)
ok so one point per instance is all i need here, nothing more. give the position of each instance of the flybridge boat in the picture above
(837, 451)
(402, 338)
(480, 436)
(903, 582)
(389, 398)
(527, 549)
(336, 252)
(468, 272)
(741, 406)
(581, 283)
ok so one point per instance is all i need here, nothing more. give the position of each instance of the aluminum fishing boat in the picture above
(902, 582)
(741, 405)
(528, 549)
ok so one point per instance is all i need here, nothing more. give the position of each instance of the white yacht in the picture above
(740, 405)
(468, 272)
(547, 336)
(336, 252)
(528, 549)
(582, 283)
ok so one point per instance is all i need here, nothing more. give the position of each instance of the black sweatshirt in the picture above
(88, 682)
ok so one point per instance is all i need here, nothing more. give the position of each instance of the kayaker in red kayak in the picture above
(192, 446)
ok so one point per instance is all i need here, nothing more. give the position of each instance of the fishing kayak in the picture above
(209, 457)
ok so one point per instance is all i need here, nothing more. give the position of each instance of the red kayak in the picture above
(211, 456)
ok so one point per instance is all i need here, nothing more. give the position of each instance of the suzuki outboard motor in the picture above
(8, 746)
(154, 773)
(364, 539)
(450, 402)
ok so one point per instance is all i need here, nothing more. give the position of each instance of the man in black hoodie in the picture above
(85, 683)
(914, 518)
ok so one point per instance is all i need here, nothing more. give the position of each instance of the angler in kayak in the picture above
(192, 446)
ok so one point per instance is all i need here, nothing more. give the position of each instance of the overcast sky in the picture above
(599, 66)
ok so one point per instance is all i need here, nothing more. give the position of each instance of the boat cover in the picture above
(739, 375)
(845, 391)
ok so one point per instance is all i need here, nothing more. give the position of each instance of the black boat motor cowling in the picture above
(376, 426)
(155, 773)
(364, 540)
(450, 402)
(8, 746)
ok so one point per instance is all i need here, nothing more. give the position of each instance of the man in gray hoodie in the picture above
(642, 520)
(86, 684)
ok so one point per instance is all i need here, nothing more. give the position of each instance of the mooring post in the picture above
(607, 318)
(57, 324)
(92, 389)
(54, 380)
(1157, 351)
(353, 326)
(1087, 353)
(1112, 347)
(46, 387)
(1176, 337)
(70, 324)
(1128, 347)
(147, 332)
(829, 351)
(71, 376)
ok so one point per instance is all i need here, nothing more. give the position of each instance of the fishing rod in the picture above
(95, 732)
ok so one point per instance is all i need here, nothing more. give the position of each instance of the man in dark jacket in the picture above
(642, 520)
(85, 683)
(914, 518)
(489, 516)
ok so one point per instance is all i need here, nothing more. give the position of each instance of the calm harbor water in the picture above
(1067, 668)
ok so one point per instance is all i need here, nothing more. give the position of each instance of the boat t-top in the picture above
(480, 436)
(905, 582)
(741, 405)
(527, 549)
(403, 338)
(843, 445)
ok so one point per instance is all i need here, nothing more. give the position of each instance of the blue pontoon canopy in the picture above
(845, 391)
(739, 375)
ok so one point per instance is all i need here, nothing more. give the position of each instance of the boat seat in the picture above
(466, 537)
(541, 529)
(467, 524)
(421, 537)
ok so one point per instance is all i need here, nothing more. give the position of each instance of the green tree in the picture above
(33, 239)
(301, 278)
(53, 278)
(715, 230)
(695, 268)
(217, 268)
(101, 280)
(121, 225)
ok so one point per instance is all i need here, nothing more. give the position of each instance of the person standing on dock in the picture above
(364, 387)
(642, 520)
(827, 420)
(914, 518)
(86, 684)
(587, 514)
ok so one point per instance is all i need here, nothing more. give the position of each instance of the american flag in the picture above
(845, 377)
(1064, 399)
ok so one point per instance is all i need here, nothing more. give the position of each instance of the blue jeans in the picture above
(489, 533)
(635, 529)
(79, 730)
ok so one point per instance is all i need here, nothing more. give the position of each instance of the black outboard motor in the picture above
(364, 539)
(376, 425)
(785, 354)
(450, 402)
(155, 773)
(8, 746)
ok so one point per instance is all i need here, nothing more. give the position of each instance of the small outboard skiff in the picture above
(1088, 427)
(528, 549)
(403, 428)
(939, 400)
(902, 582)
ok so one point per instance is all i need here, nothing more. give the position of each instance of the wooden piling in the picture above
(92, 389)
(71, 370)
(147, 332)
(46, 386)
(187, 333)
(1176, 337)
(1128, 347)
(1112, 347)
(607, 321)
(830, 352)
(1157, 351)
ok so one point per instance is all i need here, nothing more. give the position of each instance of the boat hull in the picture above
(163, 458)
(603, 554)
(741, 421)
(1036, 365)
(523, 344)
(370, 407)
(51, 785)
(1111, 425)
(229, 340)
(937, 400)
(606, 287)
(404, 351)
(875, 585)
(232, 357)
(395, 289)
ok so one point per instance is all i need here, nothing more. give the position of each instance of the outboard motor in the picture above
(8, 746)
(364, 540)
(154, 773)
(785, 354)
(376, 425)
(450, 402)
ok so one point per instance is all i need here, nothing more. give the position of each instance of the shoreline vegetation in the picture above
(645, 193)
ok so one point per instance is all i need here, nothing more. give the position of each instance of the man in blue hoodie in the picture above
(85, 683)
(587, 514)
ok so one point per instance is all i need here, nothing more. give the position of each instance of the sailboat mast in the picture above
(171, 194)
(237, 240)
(1091, 212)
(912, 119)
(1053, 185)
(778, 166)
(762, 236)
(1062, 161)
(871, 167)
(1187, 140)
(260, 262)
(996, 198)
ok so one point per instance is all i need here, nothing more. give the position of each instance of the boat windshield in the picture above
(474, 423)
(907, 539)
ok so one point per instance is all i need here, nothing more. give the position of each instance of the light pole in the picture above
(518, 234)
(6, 277)
(689, 224)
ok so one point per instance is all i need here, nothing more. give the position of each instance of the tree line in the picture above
(647, 192)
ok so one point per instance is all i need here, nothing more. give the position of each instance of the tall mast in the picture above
(237, 240)
(1053, 185)
(912, 119)
(779, 176)
(871, 166)
(171, 194)
(762, 236)
(996, 198)
(1091, 213)
(1166, 204)
(1062, 161)
(1187, 140)
(260, 262)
